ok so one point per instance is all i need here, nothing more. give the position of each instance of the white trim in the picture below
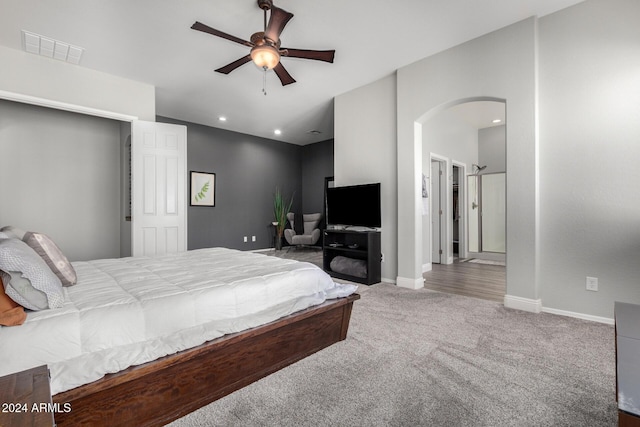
(405, 282)
(427, 267)
(525, 304)
(385, 280)
(49, 103)
(446, 242)
(582, 316)
(535, 306)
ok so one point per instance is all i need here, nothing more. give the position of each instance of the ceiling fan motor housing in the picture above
(265, 4)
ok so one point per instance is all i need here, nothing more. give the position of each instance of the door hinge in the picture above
(440, 211)
(440, 251)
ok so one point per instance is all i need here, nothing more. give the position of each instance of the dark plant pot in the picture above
(278, 243)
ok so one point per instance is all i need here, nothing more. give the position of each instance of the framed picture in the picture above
(203, 189)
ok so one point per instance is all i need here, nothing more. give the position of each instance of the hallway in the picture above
(469, 279)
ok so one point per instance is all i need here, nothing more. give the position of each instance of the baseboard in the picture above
(405, 282)
(524, 304)
(427, 267)
(385, 280)
(582, 316)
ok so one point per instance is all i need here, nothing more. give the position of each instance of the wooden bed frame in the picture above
(158, 392)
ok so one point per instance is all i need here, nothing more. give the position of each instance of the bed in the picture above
(146, 340)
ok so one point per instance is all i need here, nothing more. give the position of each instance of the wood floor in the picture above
(461, 278)
(464, 278)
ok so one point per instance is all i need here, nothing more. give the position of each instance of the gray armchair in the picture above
(311, 230)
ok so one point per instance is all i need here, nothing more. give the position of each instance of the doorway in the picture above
(438, 225)
(464, 136)
(487, 216)
(458, 242)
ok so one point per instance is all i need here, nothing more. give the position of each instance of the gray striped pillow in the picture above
(53, 256)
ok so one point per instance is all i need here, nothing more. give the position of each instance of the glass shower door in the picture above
(473, 208)
(486, 205)
(494, 216)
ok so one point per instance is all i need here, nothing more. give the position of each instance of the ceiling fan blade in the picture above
(283, 75)
(199, 26)
(277, 20)
(318, 55)
(235, 64)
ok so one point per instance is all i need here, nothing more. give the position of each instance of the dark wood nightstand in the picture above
(25, 399)
(627, 318)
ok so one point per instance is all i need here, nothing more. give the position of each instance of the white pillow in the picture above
(28, 296)
(17, 257)
(12, 232)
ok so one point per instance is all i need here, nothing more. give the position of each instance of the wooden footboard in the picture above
(161, 391)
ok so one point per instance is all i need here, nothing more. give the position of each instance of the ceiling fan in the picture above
(265, 45)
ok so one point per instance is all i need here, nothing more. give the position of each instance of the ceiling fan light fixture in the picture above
(265, 56)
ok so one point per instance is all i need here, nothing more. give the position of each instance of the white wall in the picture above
(500, 65)
(59, 175)
(54, 80)
(572, 175)
(589, 151)
(47, 78)
(364, 152)
(492, 149)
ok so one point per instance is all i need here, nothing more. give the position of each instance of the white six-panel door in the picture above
(158, 188)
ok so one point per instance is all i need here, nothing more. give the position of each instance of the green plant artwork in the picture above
(200, 195)
(203, 189)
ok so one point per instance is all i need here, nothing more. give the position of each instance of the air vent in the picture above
(46, 46)
(314, 132)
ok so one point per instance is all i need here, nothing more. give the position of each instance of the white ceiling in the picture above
(481, 114)
(151, 41)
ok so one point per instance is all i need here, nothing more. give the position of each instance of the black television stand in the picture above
(362, 250)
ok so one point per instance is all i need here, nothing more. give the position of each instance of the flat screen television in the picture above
(354, 205)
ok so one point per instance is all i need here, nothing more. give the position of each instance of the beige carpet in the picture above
(424, 358)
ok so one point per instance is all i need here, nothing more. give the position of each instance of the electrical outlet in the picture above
(592, 284)
(245, 239)
(253, 238)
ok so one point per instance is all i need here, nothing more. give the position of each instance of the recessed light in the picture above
(222, 118)
(277, 132)
(496, 121)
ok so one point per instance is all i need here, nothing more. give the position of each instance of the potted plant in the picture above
(280, 211)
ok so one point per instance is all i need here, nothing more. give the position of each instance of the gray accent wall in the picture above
(248, 169)
(317, 164)
(59, 175)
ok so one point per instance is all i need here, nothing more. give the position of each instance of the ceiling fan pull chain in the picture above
(264, 81)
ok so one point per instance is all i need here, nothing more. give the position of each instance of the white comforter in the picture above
(128, 311)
